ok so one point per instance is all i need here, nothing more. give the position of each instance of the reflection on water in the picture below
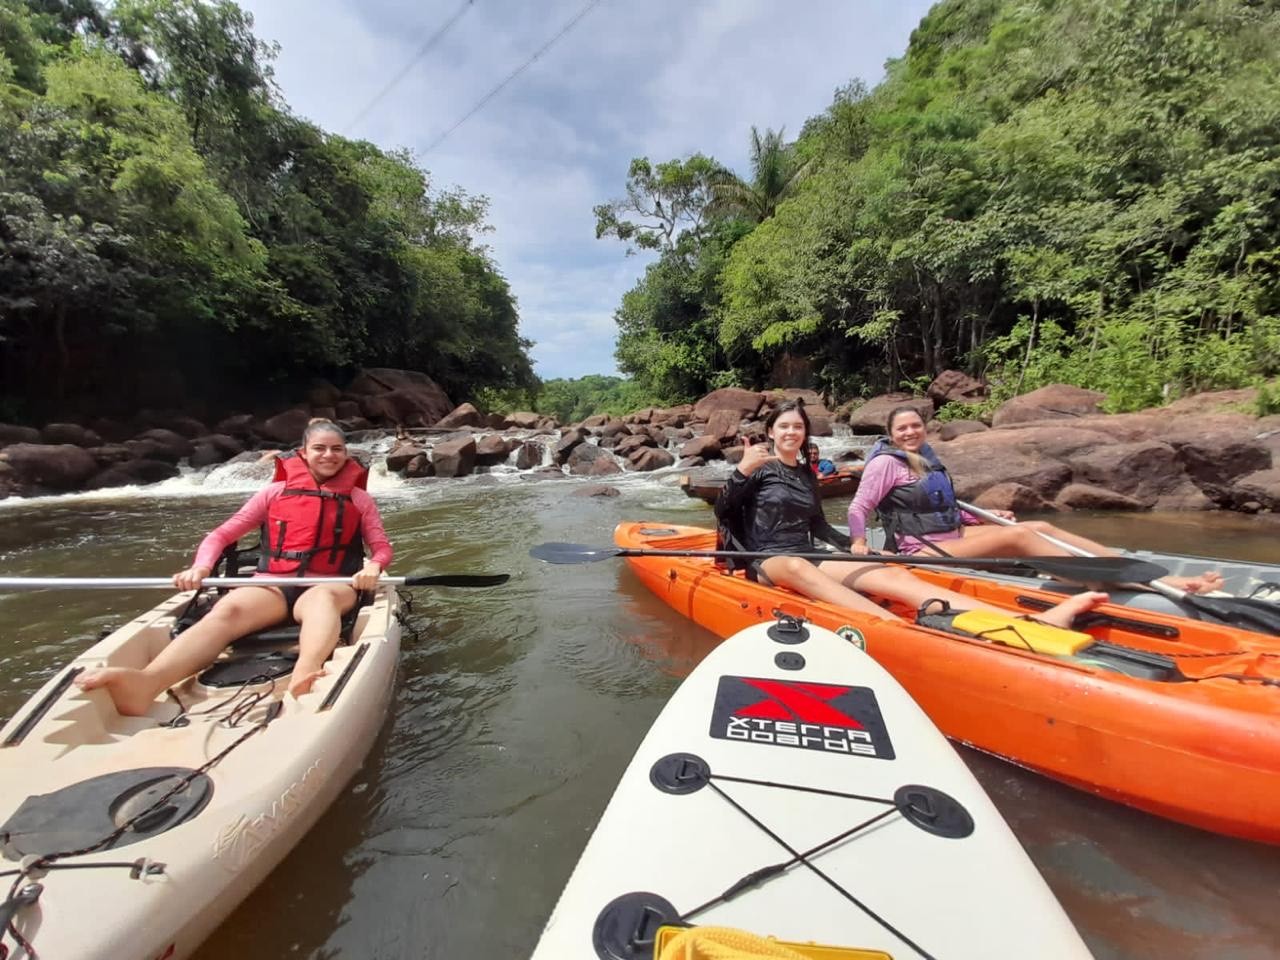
(517, 709)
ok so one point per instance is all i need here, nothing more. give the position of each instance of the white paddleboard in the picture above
(790, 746)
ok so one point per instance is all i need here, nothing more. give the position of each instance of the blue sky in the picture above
(656, 78)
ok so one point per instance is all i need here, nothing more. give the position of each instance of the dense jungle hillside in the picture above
(1078, 191)
(171, 235)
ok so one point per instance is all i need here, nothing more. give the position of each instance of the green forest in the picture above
(171, 235)
(1077, 191)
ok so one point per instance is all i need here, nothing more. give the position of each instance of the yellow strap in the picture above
(724, 943)
(1023, 634)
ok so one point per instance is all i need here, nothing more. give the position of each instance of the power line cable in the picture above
(413, 61)
(511, 76)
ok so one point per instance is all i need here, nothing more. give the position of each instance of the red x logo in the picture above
(802, 702)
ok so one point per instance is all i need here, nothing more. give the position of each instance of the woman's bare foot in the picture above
(1065, 613)
(300, 684)
(132, 691)
(1201, 583)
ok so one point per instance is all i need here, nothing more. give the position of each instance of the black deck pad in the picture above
(82, 814)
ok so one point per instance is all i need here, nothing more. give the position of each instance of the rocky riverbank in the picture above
(1053, 449)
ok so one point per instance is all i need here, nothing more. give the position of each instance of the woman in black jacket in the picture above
(771, 504)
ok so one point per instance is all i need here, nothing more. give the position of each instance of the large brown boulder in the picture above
(322, 393)
(674, 416)
(744, 403)
(160, 444)
(529, 455)
(237, 425)
(1143, 470)
(650, 458)
(979, 461)
(68, 433)
(723, 425)
(185, 426)
(1215, 450)
(819, 425)
(402, 454)
(463, 415)
(420, 466)
(1086, 496)
(1012, 496)
(958, 428)
(708, 448)
(952, 386)
(523, 419)
(1054, 402)
(614, 427)
(454, 458)
(110, 453)
(59, 466)
(870, 417)
(1258, 490)
(1052, 439)
(286, 428)
(597, 490)
(399, 396)
(214, 448)
(12, 433)
(492, 449)
(628, 445)
(570, 439)
(133, 473)
(586, 456)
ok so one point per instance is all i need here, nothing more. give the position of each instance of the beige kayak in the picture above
(212, 789)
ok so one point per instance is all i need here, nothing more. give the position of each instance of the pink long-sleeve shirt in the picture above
(254, 514)
(879, 478)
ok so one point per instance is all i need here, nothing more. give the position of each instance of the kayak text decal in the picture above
(237, 842)
(812, 716)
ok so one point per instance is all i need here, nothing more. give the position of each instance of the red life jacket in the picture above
(313, 528)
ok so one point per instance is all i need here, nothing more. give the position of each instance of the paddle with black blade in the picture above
(143, 583)
(1249, 613)
(1098, 569)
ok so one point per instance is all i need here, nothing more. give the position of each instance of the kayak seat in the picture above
(281, 635)
(236, 562)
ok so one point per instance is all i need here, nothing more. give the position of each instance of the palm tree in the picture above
(776, 171)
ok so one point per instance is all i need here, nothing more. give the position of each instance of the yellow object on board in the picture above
(1024, 634)
(726, 943)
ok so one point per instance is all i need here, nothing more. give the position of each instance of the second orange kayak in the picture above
(1177, 717)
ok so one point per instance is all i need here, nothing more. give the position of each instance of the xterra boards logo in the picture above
(811, 716)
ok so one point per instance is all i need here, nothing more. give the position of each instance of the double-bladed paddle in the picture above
(1247, 612)
(1099, 569)
(132, 583)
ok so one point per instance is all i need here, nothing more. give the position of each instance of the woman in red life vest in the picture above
(316, 519)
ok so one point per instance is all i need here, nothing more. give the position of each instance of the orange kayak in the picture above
(1177, 717)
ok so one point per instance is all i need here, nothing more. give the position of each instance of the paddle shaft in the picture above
(144, 583)
(1172, 592)
(1113, 569)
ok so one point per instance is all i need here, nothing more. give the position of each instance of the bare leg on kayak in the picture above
(240, 612)
(319, 612)
(905, 588)
(803, 577)
(1023, 541)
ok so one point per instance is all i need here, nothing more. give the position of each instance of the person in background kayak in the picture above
(771, 504)
(820, 467)
(906, 483)
(319, 490)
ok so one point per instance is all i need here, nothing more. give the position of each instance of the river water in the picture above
(517, 708)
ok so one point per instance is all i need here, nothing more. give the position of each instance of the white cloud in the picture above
(664, 79)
